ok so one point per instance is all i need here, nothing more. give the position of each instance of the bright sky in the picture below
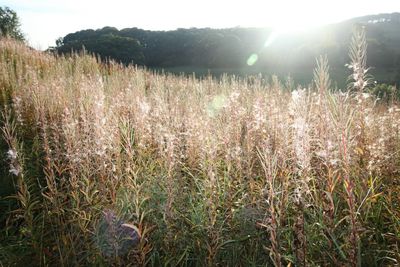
(43, 21)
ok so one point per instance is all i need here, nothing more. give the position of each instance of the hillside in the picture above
(228, 50)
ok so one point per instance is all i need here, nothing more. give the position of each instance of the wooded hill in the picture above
(231, 48)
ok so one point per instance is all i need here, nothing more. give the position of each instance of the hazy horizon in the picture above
(44, 21)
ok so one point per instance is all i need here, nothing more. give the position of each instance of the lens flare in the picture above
(271, 38)
(252, 59)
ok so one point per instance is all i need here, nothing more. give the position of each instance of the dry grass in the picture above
(230, 172)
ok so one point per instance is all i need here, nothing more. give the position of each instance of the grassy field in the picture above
(105, 165)
(300, 76)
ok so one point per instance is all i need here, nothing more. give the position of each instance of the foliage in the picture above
(9, 24)
(106, 44)
(385, 92)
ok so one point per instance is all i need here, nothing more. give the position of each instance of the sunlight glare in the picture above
(287, 17)
(271, 38)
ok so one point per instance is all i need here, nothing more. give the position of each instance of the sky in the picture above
(43, 21)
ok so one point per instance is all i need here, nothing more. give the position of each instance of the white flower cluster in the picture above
(15, 167)
(301, 128)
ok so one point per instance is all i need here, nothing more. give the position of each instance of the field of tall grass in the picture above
(106, 165)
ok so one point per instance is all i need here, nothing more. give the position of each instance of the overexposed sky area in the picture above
(43, 21)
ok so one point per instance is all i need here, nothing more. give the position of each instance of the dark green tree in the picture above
(104, 43)
(9, 24)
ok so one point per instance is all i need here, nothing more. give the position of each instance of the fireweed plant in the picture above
(107, 165)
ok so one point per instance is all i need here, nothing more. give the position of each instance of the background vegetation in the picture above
(9, 24)
(228, 50)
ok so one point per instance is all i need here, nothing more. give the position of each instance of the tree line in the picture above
(242, 47)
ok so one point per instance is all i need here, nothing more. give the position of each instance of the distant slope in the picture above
(230, 48)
